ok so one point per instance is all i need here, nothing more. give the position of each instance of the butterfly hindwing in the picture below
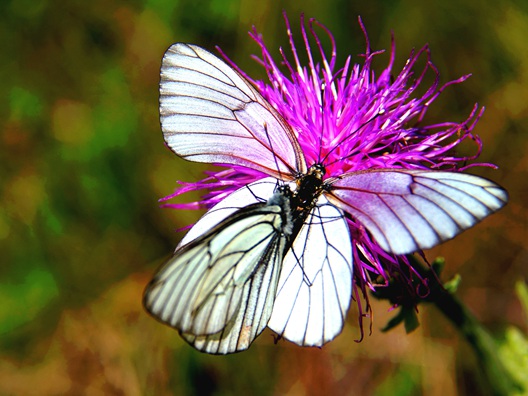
(315, 285)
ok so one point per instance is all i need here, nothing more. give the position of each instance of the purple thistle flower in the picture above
(351, 120)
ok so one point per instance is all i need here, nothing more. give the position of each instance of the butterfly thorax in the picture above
(309, 188)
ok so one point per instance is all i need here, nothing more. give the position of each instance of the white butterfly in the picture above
(218, 290)
(210, 113)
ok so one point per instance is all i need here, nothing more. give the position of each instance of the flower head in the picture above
(348, 119)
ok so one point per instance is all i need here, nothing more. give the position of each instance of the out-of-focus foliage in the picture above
(513, 349)
(83, 164)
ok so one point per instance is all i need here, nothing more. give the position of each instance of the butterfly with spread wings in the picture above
(282, 257)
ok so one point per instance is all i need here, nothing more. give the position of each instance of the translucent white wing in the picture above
(210, 113)
(256, 307)
(218, 290)
(315, 284)
(257, 192)
(409, 210)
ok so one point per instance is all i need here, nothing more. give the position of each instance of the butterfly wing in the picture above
(210, 113)
(256, 192)
(315, 284)
(256, 307)
(409, 210)
(218, 290)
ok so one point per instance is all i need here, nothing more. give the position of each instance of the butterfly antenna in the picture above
(273, 151)
(322, 124)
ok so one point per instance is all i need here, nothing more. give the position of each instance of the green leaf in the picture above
(451, 285)
(408, 316)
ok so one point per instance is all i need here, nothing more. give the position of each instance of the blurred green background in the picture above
(83, 164)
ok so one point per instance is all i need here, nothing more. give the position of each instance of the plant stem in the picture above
(499, 379)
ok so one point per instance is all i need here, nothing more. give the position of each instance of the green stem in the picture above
(499, 379)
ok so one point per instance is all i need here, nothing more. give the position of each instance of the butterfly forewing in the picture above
(257, 303)
(409, 210)
(210, 113)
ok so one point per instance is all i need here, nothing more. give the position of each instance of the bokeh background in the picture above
(83, 164)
